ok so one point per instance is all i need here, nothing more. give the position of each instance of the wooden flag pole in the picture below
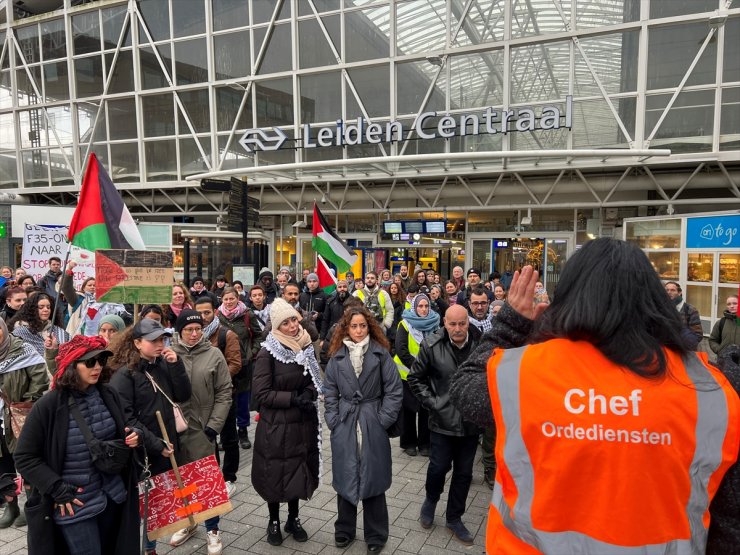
(175, 468)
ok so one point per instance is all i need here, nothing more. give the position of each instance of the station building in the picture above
(485, 133)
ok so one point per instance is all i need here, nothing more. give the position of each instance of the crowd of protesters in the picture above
(384, 355)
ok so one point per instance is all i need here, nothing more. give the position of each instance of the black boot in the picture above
(293, 526)
(274, 535)
(10, 514)
(244, 442)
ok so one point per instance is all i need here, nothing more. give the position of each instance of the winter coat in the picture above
(49, 283)
(141, 402)
(232, 351)
(26, 384)
(440, 306)
(285, 458)
(727, 335)
(692, 331)
(248, 330)
(373, 400)
(430, 377)
(332, 314)
(204, 293)
(210, 400)
(40, 459)
(314, 301)
(724, 526)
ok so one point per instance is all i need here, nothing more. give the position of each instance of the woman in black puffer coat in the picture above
(724, 527)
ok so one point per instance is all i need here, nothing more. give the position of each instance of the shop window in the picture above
(655, 234)
(701, 297)
(667, 264)
(729, 268)
(701, 267)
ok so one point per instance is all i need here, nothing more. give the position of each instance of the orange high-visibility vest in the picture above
(592, 458)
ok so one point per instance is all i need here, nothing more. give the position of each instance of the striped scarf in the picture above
(36, 340)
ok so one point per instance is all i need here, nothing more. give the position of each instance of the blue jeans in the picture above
(242, 409)
(93, 536)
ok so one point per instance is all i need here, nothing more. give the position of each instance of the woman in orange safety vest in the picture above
(612, 437)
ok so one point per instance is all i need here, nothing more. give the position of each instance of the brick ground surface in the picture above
(243, 530)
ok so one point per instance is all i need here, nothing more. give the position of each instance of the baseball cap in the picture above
(149, 329)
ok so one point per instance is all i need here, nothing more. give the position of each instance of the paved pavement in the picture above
(243, 529)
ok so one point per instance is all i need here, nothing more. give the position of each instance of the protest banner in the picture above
(41, 242)
(170, 508)
(133, 276)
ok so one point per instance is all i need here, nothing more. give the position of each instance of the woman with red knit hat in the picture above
(73, 506)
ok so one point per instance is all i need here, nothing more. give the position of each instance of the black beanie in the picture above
(187, 317)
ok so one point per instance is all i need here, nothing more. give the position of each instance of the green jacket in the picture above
(725, 332)
(27, 384)
(210, 400)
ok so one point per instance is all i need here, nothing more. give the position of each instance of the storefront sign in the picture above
(713, 232)
(490, 122)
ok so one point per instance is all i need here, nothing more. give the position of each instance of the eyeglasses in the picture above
(90, 362)
(479, 303)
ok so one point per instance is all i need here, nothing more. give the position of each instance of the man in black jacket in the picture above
(313, 300)
(334, 308)
(453, 441)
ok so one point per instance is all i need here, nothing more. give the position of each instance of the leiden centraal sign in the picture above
(348, 133)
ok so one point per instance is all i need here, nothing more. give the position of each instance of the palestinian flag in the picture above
(101, 220)
(329, 245)
(327, 281)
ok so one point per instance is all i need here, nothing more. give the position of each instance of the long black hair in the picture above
(610, 296)
(29, 313)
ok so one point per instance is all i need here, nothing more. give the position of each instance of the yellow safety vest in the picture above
(413, 349)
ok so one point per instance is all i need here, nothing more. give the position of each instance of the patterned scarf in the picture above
(262, 315)
(210, 328)
(307, 359)
(177, 310)
(482, 325)
(36, 340)
(237, 312)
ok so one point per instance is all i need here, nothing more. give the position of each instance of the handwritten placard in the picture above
(131, 276)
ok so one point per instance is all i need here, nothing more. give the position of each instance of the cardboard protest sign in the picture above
(41, 242)
(132, 276)
(205, 492)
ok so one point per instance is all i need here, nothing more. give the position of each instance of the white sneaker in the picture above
(214, 542)
(181, 536)
(230, 489)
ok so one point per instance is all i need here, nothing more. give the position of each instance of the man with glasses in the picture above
(478, 307)
(463, 297)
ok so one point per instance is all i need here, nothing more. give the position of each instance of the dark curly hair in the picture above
(125, 353)
(70, 379)
(29, 313)
(342, 330)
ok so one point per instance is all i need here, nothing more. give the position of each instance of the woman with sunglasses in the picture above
(73, 505)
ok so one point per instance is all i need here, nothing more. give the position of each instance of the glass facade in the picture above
(168, 93)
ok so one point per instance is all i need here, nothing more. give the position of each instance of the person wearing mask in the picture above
(362, 396)
(418, 322)
(205, 411)
(14, 300)
(33, 324)
(218, 288)
(227, 341)
(334, 307)
(313, 300)
(463, 296)
(478, 307)
(406, 279)
(376, 300)
(632, 401)
(258, 308)
(725, 331)
(110, 325)
(692, 330)
(23, 379)
(148, 378)
(74, 506)
(49, 282)
(180, 301)
(286, 454)
(266, 280)
(198, 289)
(453, 441)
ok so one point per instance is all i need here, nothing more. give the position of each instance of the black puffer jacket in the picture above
(314, 301)
(332, 313)
(724, 528)
(430, 377)
(140, 403)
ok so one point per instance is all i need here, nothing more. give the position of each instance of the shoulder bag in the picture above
(181, 424)
(110, 456)
(18, 413)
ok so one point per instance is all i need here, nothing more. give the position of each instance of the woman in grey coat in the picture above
(363, 394)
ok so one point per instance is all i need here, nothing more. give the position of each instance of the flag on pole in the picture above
(329, 245)
(101, 219)
(327, 281)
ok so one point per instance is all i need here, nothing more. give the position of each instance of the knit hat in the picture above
(284, 269)
(80, 347)
(312, 276)
(187, 317)
(473, 271)
(417, 299)
(265, 272)
(114, 320)
(497, 303)
(280, 311)
(195, 280)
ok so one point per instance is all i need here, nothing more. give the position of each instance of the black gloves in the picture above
(62, 492)
(211, 433)
(302, 400)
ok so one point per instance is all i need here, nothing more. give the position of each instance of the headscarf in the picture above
(114, 320)
(420, 327)
(73, 349)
